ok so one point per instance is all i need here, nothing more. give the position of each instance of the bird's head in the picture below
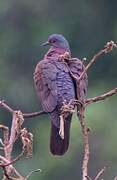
(57, 41)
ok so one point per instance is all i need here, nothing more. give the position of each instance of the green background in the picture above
(88, 25)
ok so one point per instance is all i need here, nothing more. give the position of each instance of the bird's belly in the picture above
(65, 87)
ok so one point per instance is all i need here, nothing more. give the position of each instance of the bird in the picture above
(55, 85)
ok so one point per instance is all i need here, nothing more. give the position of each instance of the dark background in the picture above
(88, 25)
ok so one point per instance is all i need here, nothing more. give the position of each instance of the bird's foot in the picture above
(67, 107)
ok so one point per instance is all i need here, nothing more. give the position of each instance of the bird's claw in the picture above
(69, 107)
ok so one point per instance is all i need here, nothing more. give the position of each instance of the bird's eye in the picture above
(53, 41)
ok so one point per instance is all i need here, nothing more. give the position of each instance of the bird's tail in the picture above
(59, 146)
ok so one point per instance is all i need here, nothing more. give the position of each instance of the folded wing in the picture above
(76, 67)
(45, 84)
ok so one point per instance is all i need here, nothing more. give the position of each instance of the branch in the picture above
(15, 130)
(6, 175)
(25, 115)
(101, 97)
(34, 114)
(8, 142)
(108, 47)
(37, 170)
(8, 108)
(100, 173)
(88, 178)
(85, 132)
(5, 160)
(14, 160)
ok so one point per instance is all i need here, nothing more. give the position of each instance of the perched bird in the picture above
(55, 85)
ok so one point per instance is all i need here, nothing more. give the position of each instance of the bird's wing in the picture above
(45, 83)
(76, 67)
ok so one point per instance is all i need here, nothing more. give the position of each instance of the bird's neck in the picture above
(55, 52)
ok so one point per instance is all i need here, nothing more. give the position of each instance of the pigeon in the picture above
(55, 86)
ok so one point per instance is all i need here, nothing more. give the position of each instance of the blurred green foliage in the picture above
(88, 25)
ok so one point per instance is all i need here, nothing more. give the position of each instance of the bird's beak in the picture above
(45, 43)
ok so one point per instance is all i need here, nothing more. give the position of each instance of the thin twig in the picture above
(25, 115)
(37, 170)
(14, 160)
(100, 173)
(101, 97)
(108, 47)
(34, 114)
(88, 178)
(7, 107)
(93, 60)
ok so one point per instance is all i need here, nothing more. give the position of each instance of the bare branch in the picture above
(25, 115)
(109, 47)
(5, 106)
(6, 175)
(101, 97)
(34, 114)
(6, 162)
(14, 160)
(37, 170)
(3, 159)
(88, 178)
(17, 121)
(15, 130)
(85, 132)
(100, 173)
